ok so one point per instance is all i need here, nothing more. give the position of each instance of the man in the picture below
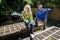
(41, 14)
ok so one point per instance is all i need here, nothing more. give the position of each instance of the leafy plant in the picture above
(28, 1)
(49, 4)
(0, 1)
(8, 6)
(49, 38)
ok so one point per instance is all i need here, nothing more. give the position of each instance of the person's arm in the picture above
(48, 9)
(24, 17)
(31, 17)
(44, 9)
(37, 14)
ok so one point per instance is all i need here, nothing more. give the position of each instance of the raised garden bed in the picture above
(52, 33)
(13, 30)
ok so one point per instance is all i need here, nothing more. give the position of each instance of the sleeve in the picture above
(31, 19)
(48, 9)
(31, 16)
(37, 14)
(23, 16)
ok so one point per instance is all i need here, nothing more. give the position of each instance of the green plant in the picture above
(28, 1)
(49, 4)
(49, 38)
(8, 6)
(0, 1)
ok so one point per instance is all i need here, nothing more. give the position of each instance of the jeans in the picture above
(29, 27)
(44, 21)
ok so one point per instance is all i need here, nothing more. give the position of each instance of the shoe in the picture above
(32, 35)
(58, 39)
(19, 38)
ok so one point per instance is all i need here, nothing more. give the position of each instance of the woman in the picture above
(28, 18)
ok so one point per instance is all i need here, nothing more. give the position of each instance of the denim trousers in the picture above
(44, 22)
(29, 27)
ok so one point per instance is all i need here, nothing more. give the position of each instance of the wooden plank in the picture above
(50, 35)
(50, 38)
(56, 36)
(40, 36)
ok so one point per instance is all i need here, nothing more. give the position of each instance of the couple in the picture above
(28, 18)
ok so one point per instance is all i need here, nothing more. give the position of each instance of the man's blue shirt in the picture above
(42, 13)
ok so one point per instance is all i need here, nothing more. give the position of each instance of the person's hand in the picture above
(32, 22)
(26, 21)
(49, 9)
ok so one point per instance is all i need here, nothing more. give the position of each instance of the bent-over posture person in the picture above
(41, 14)
(28, 18)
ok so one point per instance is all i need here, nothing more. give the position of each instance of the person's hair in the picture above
(39, 4)
(28, 7)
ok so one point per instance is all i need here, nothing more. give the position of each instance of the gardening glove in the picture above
(32, 22)
(26, 21)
